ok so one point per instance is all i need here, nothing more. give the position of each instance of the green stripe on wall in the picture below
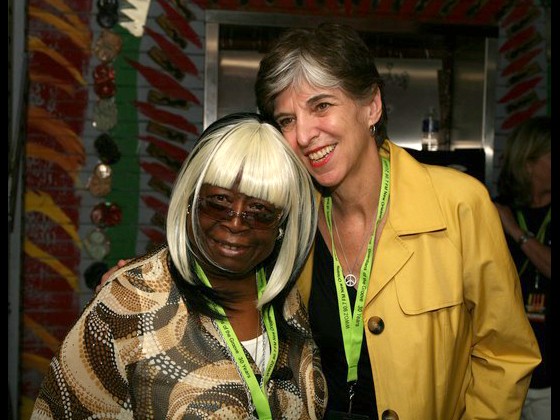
(126, 172)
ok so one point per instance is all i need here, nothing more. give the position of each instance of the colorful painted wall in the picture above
(114, 103)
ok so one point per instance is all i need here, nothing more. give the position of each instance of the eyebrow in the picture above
(319, 98)
(309, 103)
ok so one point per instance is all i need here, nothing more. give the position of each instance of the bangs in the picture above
(246, 150)
(300, 69)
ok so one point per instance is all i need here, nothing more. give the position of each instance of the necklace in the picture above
(351, 319)
(350, 279)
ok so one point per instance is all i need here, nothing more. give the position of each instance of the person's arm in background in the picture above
(109, 273)
(539, 254)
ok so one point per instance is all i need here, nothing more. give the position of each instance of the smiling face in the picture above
(327, 129)
(237, 232)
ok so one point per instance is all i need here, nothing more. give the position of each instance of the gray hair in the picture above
(329, 56)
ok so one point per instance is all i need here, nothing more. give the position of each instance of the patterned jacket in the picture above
(136, 352)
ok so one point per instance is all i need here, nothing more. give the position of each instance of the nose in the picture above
(305, 131)
(235, 220)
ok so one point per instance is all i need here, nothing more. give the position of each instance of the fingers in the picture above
(109, 273)
(122, 263)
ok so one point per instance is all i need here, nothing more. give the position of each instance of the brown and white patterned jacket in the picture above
(136, 352)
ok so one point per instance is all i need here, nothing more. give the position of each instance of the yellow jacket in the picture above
(445, 326)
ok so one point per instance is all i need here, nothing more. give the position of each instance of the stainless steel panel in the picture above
(236, 80)
(411, 89)
(411, 83)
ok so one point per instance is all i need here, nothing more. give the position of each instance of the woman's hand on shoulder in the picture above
(109, 273)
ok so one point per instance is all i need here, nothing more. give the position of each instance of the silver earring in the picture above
(280, 234)
(372, 130)
(188, 209)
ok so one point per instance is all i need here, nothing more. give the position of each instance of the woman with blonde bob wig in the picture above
(243, 148)
(209, 325)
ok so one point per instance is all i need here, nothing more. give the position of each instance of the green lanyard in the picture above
(540, 234)
(352, 323)
(258, 393)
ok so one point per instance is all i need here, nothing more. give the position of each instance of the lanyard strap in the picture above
(352, 322)
(540, 234)
(258, 393)
(542, 229)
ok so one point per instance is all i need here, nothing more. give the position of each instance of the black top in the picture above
(327, 332)
(536, 294)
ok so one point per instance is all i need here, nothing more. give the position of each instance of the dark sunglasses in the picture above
(263, 219)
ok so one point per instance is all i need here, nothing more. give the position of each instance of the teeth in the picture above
(320, 154)
(232, 247)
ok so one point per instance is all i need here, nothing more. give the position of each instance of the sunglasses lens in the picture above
(214, 210)
(255, 220)
(261, 220)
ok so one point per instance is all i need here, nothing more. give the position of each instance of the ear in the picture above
(375, 107)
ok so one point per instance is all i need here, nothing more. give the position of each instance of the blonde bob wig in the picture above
(245, 145)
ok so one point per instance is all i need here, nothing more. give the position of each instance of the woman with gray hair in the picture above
(413, 298)
(209, 325)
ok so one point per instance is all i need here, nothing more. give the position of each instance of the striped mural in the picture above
(114, 105)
